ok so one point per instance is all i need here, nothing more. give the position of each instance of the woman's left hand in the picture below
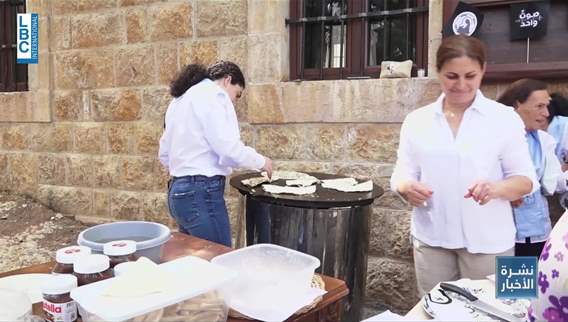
(482, 192)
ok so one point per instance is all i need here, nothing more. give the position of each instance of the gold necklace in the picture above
(450, 114)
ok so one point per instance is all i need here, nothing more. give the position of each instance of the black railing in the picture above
(321, 53)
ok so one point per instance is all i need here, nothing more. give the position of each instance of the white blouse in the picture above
(202, 135)
(490, 145)
(553, 180)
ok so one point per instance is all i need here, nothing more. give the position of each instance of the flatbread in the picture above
(348, 185)
(302, 182)
(141, 279)
(289, 190)
(286, 175)
(253, 182)
(328, 183)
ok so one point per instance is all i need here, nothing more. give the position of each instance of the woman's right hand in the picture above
(268, 167)
(415, 193)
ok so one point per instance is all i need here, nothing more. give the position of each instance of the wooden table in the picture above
(329, 309)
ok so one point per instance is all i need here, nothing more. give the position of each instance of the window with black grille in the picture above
(13, 77)
(334, 39)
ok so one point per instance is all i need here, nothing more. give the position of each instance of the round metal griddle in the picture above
(323, 198)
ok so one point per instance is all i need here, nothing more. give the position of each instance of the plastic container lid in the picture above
(202, 275)
(91, 264)
(122, 268)
(59, 284)
(262, 266)
(119, 248)
(19, 307)
(68, 255)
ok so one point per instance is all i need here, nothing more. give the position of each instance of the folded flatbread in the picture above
(289, 190)
(141, 279)
(255, 181)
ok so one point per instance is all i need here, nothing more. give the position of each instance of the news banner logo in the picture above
(516, 277)
(27, 38)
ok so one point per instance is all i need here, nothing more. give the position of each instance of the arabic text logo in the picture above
(516, 277)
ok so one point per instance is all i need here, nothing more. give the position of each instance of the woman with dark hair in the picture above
(200, 146)
(529, 98)
(461, 160)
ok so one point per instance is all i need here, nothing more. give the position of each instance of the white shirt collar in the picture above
(477, 104)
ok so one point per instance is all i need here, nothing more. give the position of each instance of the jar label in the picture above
(60, 312)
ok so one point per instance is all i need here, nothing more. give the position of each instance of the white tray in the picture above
(447, 306)
(194, 276)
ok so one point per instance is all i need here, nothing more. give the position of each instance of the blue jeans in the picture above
(198, 206)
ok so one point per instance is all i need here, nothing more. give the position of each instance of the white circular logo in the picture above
(465, 23)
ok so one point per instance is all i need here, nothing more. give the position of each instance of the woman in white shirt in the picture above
(558, 126)
(530, 98)
(461, 160)
(200, 146)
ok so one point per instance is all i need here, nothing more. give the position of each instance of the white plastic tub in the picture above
(265, 270)
(194, 296)
(210, 307)
(149, 237)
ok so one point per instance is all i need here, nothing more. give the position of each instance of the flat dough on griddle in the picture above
(289, 190)
(348, 185)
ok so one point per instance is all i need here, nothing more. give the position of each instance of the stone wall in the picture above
(103, 78)
(103, 73)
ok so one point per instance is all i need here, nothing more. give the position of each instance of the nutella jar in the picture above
(58, 306)
(92, 268)
(65, 257)
(120, 251)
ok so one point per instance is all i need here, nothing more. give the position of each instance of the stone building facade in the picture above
(84, 139)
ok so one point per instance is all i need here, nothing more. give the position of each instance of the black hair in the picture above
(558, 106)
(192, 74)
(519, 91)
(223, 68)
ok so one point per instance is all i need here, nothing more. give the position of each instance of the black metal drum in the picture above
(329, 224)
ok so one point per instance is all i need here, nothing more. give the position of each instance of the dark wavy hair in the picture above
(519, 91)
(192, 74)
(558, 106)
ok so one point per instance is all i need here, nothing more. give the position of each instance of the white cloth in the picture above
(490, 145)
(202, 135)
(563, 142)
(553, 180)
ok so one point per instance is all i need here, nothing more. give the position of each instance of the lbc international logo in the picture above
(27, 38)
